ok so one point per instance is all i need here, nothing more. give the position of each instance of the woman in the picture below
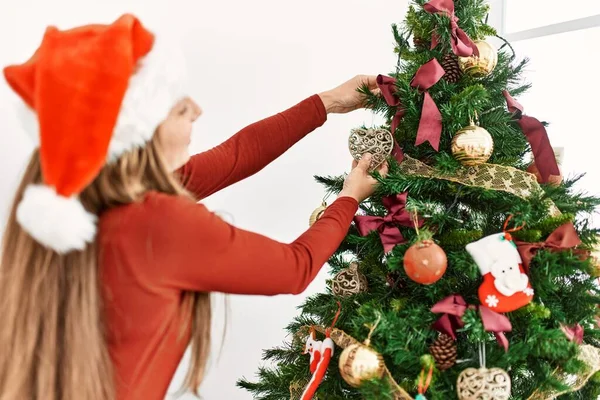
(108, 260)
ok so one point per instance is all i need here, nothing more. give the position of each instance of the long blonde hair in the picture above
(52, 336)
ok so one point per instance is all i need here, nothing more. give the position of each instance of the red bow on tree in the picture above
(564, 237)
(387, 85)
(430, 126)
(461, 43)
(536, 135)
(573, 333)
(454, 307)
(387, 226)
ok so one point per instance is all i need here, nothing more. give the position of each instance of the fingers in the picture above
(354, 164)
(365, 162)
(383, 170)
(370, 81)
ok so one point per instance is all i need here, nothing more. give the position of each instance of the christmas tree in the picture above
(471, 271)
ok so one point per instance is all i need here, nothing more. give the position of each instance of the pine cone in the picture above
(450, 65)
(420, 43)
(444, 351)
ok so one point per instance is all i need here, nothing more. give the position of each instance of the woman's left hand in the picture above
(346, 97)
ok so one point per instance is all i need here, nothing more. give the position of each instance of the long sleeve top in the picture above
(150, 252)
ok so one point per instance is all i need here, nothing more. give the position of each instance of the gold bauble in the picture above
(482, 65)
(349, 281)
(483, 384)
(595, 256)
(472, 145)
(318, 213)
(359, 363)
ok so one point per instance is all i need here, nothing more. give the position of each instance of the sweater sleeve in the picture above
(251, 149)
(194, 249)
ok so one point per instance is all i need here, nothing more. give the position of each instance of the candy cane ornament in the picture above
(321, 353)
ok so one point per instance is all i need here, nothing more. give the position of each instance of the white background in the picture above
(250, 59)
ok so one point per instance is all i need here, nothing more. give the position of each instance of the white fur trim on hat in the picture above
(157, 85)
(154, 89)
(57, 222)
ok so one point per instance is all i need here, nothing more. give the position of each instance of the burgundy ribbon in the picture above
(573, 333)
(564, 237)
(454, 307)
(387, 85)
(387, 226)
(430, 126)
(461, 43)
(536, 135)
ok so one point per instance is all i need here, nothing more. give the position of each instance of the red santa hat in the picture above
(89, 94)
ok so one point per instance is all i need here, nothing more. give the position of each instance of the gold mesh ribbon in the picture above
(343, 340)
(590, 355)
(297, 388)
(486, 176)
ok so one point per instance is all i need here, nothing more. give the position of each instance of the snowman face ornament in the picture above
(505, 285)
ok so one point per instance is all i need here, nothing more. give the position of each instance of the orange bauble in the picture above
(552, 179)
(425, 262)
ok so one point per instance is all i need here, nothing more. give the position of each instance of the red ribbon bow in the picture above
(387, 85)
(454, 307)
(536, 135)
(564, 237)
(461, 43)
(430, 126)
(387, 227)
(573, 333)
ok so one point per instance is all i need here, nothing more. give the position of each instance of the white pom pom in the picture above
(54, 221)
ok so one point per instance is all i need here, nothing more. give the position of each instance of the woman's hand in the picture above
(346, 97)
(359, 184)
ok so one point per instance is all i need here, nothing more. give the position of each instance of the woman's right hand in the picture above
(359, 184)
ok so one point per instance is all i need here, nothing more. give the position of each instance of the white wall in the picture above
(250, 59)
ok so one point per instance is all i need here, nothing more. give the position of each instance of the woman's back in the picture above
(146, 322)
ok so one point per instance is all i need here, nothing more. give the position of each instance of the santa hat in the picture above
(89, 94)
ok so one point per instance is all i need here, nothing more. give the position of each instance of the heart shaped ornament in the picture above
(483, 384)
(378, 142)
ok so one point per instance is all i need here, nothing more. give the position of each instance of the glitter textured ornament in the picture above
(482, 65)
(472, 145)
(318, 213)
(483, 384)
(425, 262)
(359, 363)
(378, 142)
(349, 281)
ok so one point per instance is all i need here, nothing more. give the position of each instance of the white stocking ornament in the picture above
(505, 284)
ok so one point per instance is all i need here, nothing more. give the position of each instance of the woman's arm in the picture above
(252, 149)
(193, 249)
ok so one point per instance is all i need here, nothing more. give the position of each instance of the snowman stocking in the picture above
(505, 285)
